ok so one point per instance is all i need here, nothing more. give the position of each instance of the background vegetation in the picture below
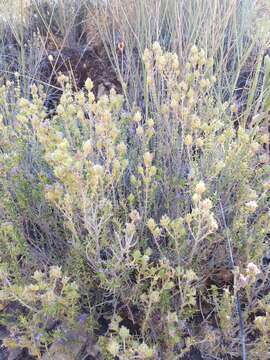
(135, 225)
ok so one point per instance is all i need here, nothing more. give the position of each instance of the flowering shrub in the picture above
(142, 209)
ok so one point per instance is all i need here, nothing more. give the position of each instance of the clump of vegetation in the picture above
(43, 302)
(149, 216)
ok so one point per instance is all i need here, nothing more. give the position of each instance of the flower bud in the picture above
(137, 117)
(139, 131)
(251, 206)
(89, 84)
(200, 188)
(147, 159)
(188, 140)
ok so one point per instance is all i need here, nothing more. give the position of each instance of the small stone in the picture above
(15, 354)
(75, 344)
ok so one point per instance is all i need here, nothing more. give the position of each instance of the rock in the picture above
(3, 354)
(3, 332)
(74, 345)
(19, 354)
(15, 354)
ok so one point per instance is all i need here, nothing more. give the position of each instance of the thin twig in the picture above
(238, 305)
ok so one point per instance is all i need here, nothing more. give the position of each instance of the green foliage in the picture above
(158, 211)
(50, 298)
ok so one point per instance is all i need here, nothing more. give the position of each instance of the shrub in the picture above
(145, 207)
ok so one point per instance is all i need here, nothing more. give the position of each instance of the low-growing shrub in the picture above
(159, 216)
